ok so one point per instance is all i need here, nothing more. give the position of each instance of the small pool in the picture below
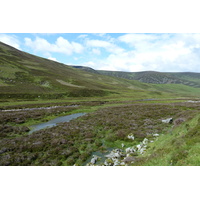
(54, 122)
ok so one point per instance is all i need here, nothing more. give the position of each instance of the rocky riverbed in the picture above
(122, 156)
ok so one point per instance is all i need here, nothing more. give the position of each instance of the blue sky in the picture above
(114, 51)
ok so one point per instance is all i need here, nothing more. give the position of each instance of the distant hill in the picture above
(87, 69)
(26, 76)
(185, 78)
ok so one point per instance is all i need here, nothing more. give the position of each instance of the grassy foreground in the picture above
(180, 147)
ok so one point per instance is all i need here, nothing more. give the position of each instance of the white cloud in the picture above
(10, 40)
(108, 46)
(51, 58)
(82, 36)
(60, 46)
(157, 52)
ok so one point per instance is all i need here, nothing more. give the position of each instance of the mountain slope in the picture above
(25, 76)
(185, 78)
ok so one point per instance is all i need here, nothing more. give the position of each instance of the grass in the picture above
(180, 148)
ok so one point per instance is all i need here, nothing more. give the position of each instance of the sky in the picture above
(130, 52)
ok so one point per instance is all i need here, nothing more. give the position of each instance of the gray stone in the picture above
(167, 121)
(129, 159)
(130, 150)
(94, 160)
(131, 137)
(145, 141)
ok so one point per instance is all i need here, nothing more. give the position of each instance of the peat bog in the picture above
(72, 143)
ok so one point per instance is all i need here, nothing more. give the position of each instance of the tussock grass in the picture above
(178, 148)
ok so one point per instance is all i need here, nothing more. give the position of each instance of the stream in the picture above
(54, 122)
(40, 108)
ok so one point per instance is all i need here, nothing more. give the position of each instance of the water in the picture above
(54, 122)
(99, 154)
(40, 108)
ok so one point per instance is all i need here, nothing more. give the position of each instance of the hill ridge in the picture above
(23, 75)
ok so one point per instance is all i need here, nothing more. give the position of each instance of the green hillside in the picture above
(25, 76)
(23, 73)
(185, 78)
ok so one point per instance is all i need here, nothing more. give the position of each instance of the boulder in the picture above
(94, 160)
(145, 141)
(131, 137)
(167, 121)
(116, 153)
(130, 150)
(129, 159)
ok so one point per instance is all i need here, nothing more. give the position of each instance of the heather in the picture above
(72, 143)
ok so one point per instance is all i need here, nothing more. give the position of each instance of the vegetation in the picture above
(27, 77)
(185, 78)
(116, 105)
(178, 148)
(108, 127)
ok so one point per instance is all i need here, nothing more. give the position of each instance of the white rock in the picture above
(145, 141)
(139, 147)
(117, 155)
(167, 121)
(131, 137)
(156, 135)
(130, 150)
(94, 160)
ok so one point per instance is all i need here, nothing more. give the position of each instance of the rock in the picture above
(129, 159)
(116, 153)
(139, 146)
(130, 150)
(131, 137)
(190, 101)
(94, 160)
(116, 161)
(156, 135)
(145, 141)
(142, 150)
(167, 121)
(37, 143)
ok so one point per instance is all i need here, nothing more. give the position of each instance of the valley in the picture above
(123, 117)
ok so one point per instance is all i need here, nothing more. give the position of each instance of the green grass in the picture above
(181, 147)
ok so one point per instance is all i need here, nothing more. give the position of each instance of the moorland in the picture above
(124, 121)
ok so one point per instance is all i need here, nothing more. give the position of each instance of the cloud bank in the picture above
(10, 40)
(156, 52)
(61, 45)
